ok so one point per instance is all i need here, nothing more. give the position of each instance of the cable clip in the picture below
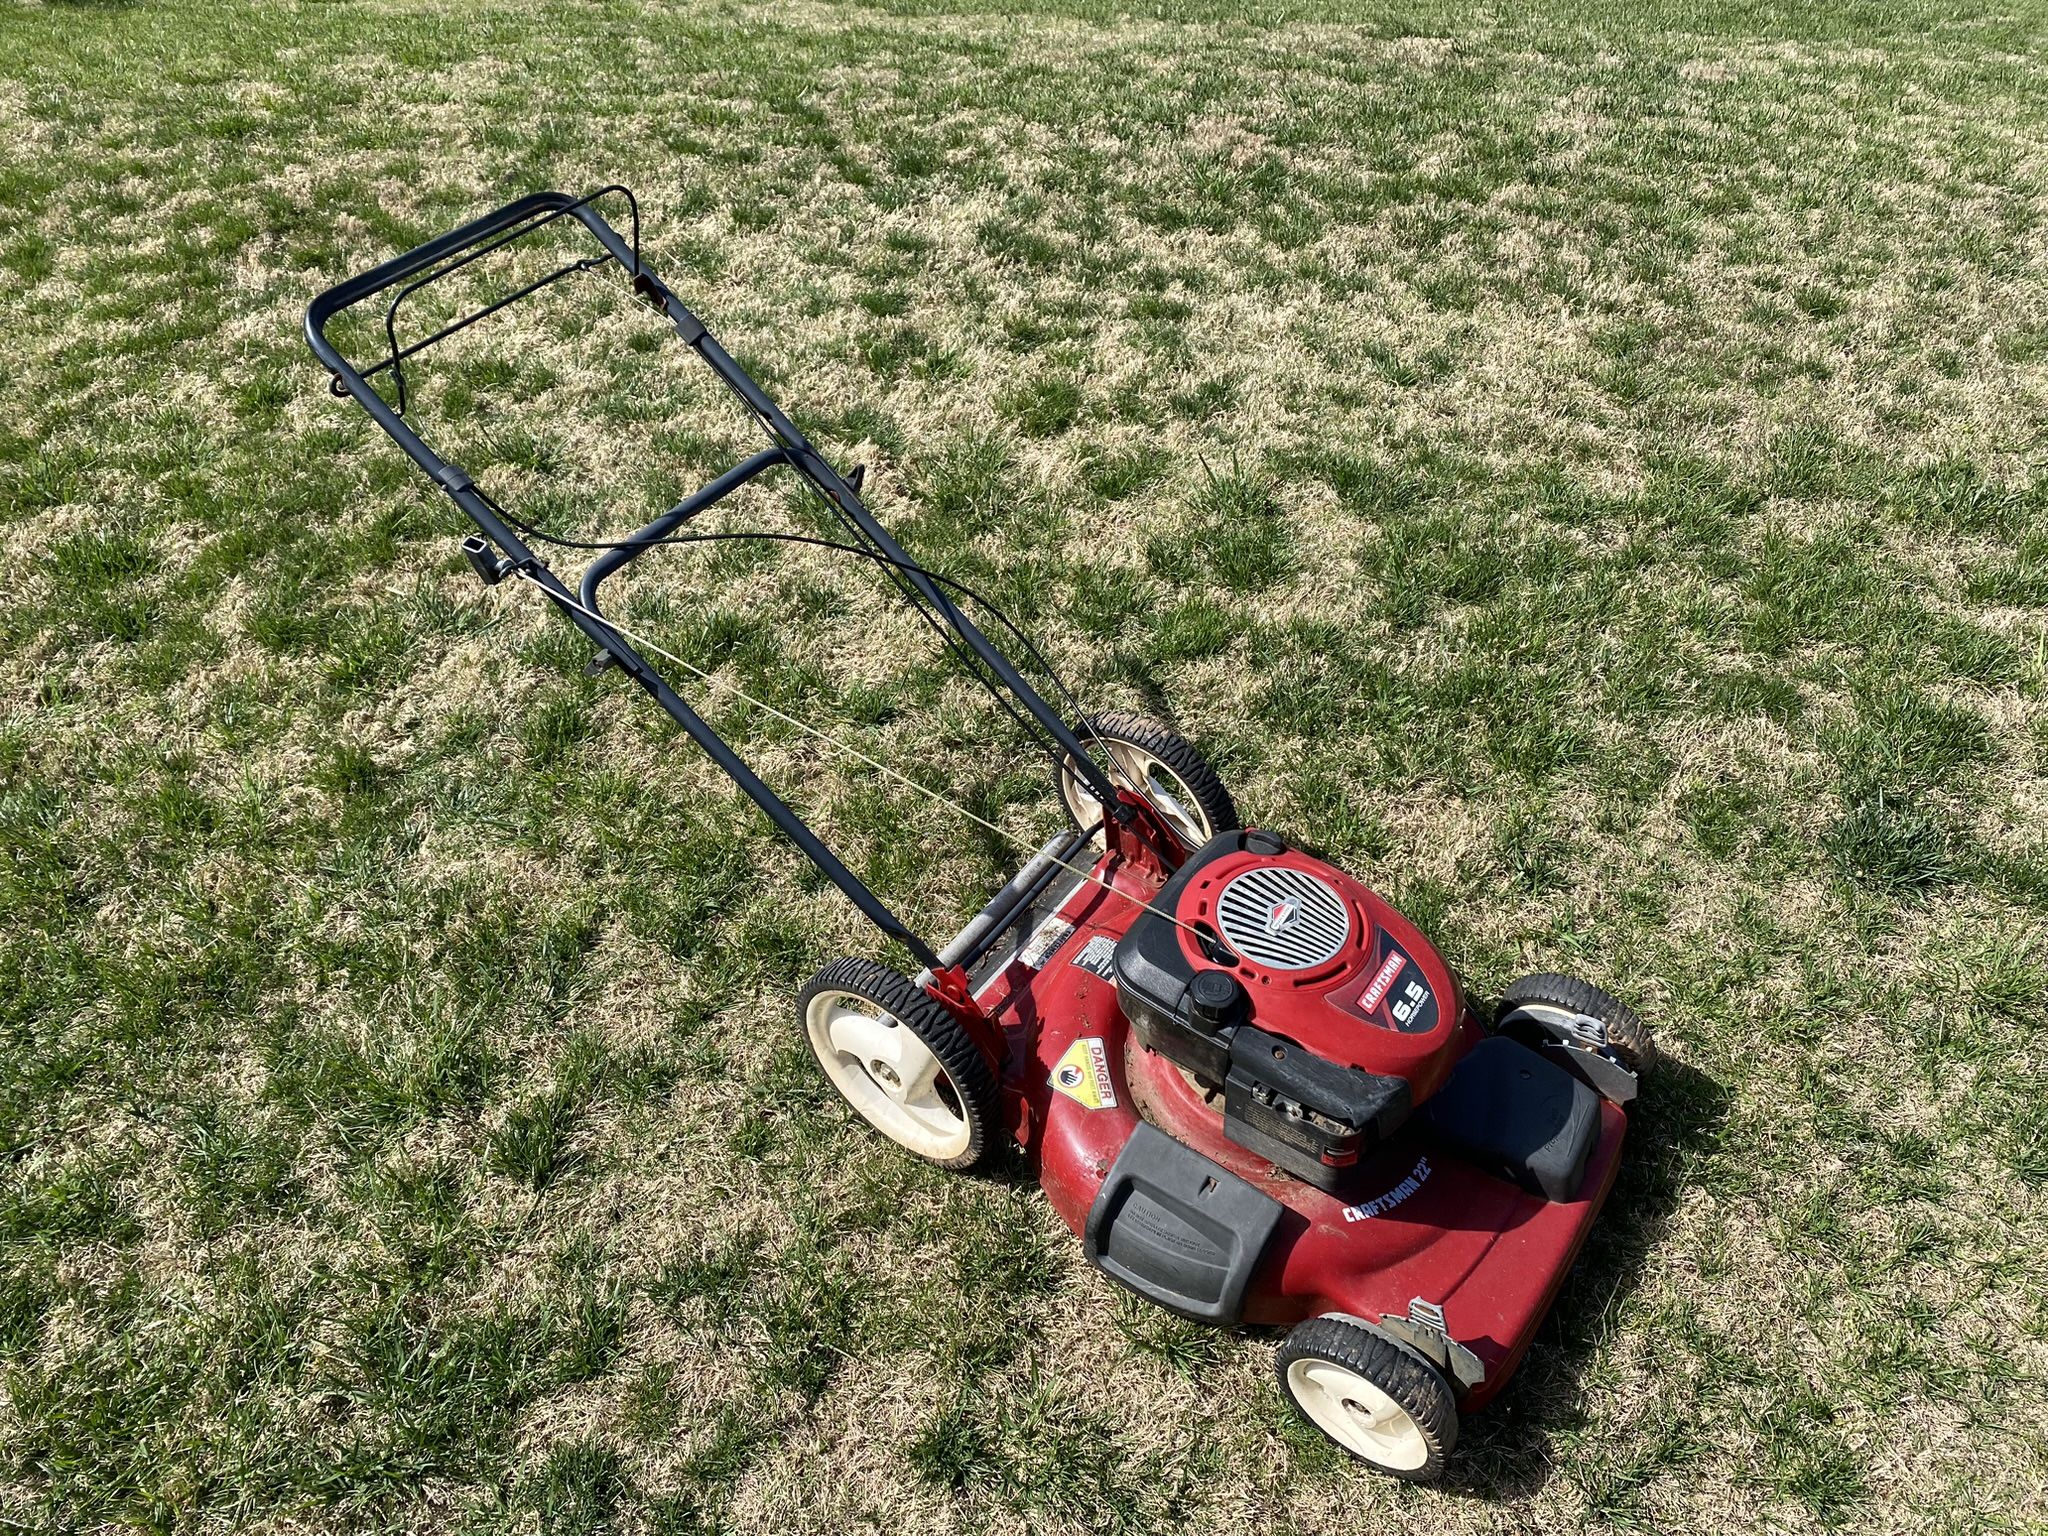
(649, 288)
(453, 479)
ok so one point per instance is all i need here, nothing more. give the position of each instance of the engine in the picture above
(1321, 1013)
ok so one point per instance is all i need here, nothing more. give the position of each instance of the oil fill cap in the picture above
(1263, 842)
(1215, 998)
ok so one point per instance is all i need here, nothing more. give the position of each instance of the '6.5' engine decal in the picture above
(1398, 997)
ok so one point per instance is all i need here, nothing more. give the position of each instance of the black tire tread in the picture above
(1626, 1033)
(1405, 1377)
(1172, 749)
(974, 1081)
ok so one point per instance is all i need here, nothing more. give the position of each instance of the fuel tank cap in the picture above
(1215, 998)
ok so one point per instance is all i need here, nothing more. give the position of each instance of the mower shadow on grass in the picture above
(1505, 1453)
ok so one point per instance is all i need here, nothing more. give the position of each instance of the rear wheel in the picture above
(1559, 1005)
(1159, 764)
(901, 1061)
(1391, 1409)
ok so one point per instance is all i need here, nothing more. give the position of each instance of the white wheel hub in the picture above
(1137, 769)
(1358, 1415)
(887, 1074)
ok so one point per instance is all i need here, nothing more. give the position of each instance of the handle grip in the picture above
(444, 254)
(431, 253)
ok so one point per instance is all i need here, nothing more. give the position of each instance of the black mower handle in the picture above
(444, 254)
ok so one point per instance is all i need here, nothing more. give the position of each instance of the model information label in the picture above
(1083, 1074)
(1393, 1197)
(1052, 933)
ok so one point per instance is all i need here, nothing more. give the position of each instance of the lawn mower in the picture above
(1256, 1093)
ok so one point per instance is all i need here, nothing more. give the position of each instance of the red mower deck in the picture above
(1418, 1223)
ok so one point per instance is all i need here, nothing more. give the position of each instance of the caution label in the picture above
(1096, 956)
(1083, 1074)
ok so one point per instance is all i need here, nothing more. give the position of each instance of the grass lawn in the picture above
(1584, 471)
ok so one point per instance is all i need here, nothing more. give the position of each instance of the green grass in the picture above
(1581, 469)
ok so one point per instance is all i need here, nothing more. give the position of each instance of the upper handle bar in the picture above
(443, 255)
(355, 289)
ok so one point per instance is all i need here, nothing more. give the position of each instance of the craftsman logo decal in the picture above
(1279, 915)
(1393, 1197)
(1083, 1074)
(1399, 997)
(1376, 989)
(1052, 933)
(1095, 956)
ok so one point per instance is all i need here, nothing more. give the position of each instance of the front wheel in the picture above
(1578, 1014)
(1391, 1409)
(1158, 763)
(901, 1061)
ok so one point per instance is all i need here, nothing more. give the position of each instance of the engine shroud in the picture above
(1337, 1016)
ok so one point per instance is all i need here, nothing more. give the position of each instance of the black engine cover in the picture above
(1302, 1113)
(1308, 1115)
(1153, 974)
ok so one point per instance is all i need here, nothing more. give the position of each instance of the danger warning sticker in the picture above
(1083, 1074)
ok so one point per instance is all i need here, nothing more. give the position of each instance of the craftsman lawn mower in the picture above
(1253, 1089)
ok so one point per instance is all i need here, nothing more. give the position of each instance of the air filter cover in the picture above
(1283, 918)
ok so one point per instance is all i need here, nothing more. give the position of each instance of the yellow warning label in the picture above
(1083, 1074)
